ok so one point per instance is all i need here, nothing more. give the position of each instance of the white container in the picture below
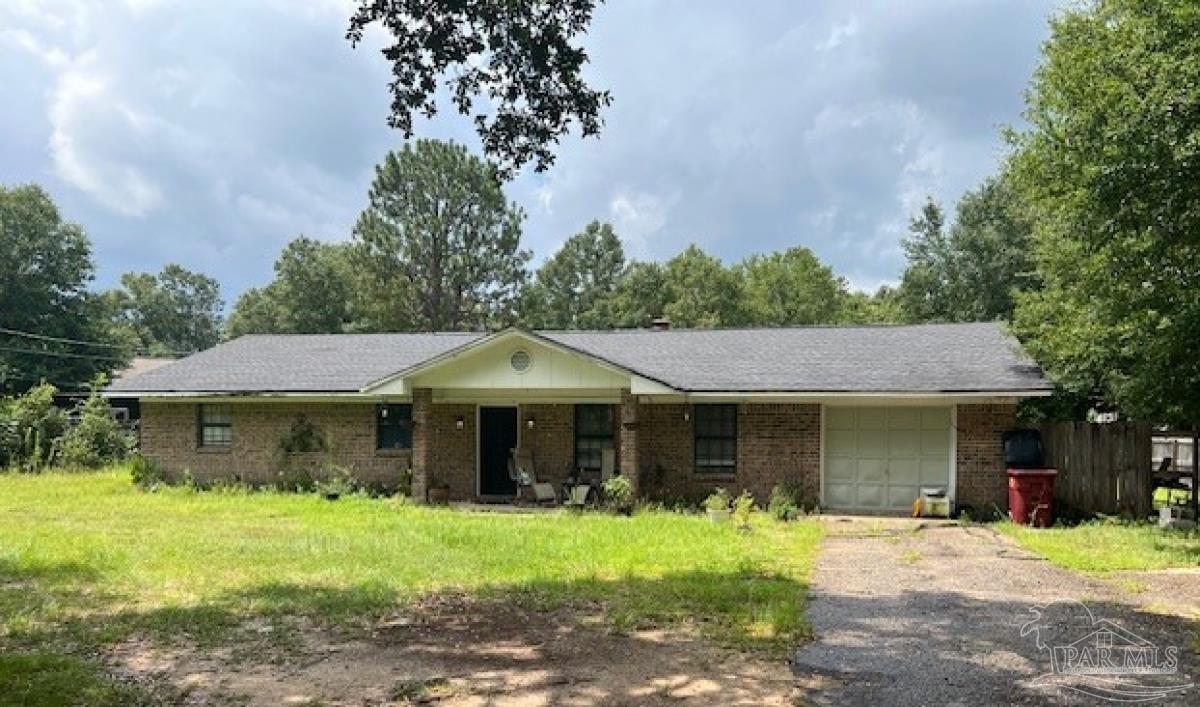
(935, 503)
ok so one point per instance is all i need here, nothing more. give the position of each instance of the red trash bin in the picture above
(1031, 496)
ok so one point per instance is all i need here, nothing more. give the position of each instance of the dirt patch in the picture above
(456, 651)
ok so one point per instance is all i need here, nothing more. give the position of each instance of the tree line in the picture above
(438, 248)
(1085, 241)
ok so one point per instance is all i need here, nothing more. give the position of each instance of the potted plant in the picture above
(717, 506)
(439, 492)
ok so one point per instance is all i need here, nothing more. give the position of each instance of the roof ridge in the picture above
(624, 330)
(767, 327)
(298, 335)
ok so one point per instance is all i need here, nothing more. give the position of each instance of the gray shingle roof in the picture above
(300, 363)
(922, 358)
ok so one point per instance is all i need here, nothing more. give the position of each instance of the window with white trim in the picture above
(215, 426)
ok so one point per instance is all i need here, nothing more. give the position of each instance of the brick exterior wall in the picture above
(630, 437)
(169, 437)
(422, 451)
(777, 444)
(452, 458)
(551, 441)
(981, 480)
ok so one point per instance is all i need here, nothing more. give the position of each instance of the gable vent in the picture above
(520, 361)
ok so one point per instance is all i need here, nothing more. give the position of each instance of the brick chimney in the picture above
(660, 324)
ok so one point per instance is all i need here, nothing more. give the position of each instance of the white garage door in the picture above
(879, 458)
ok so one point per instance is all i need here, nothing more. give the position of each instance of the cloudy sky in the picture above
(211, 133)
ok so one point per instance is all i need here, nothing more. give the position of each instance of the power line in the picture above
(60, 340)
(60, 354)
(78, 342)
(62, 384)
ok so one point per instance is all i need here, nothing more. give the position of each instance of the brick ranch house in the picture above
(859, 418)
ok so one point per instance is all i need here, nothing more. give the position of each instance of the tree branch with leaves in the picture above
(512, 65)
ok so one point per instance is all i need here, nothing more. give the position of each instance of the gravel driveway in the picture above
(916, 613)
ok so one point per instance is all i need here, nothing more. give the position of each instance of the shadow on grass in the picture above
(69, 604)
(974, 642)
(61, 620)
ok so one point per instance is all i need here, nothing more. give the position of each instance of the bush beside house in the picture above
(35, 434)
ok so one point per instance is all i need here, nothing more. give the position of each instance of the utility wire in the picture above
(78, 342)
(59, 354)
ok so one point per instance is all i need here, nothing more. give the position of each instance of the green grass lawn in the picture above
(1106, 547)
(87, 560)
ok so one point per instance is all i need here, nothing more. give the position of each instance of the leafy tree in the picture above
(1110, 165)
(312, 293)
(515, 57)
(883, 307)
(438, 247)
(788, 288)
(176, 310)
(969, 271)
(639, 296)
(701, 292)
(570, 285)
(925, 289)
(45, 268)
(257, 311)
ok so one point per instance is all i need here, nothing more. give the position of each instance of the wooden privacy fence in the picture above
(1101, 468)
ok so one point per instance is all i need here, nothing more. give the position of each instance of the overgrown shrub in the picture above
(32, 426)
(296, 464)
(784, 504)
(303, 437)
(404, 483)
(618, 493)
(96, 438)
(743, 507)
(338, 481)
(146, 473)
(296, 479)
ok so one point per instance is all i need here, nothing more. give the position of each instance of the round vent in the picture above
(521, 361)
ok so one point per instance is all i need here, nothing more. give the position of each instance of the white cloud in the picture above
(122, 186)
(838, 34)
(639, 217)
(190, 131)
(545, 199)
(52, 57)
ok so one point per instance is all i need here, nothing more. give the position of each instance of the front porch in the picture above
(465, 447)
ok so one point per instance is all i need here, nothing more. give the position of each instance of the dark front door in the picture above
(497, 438)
